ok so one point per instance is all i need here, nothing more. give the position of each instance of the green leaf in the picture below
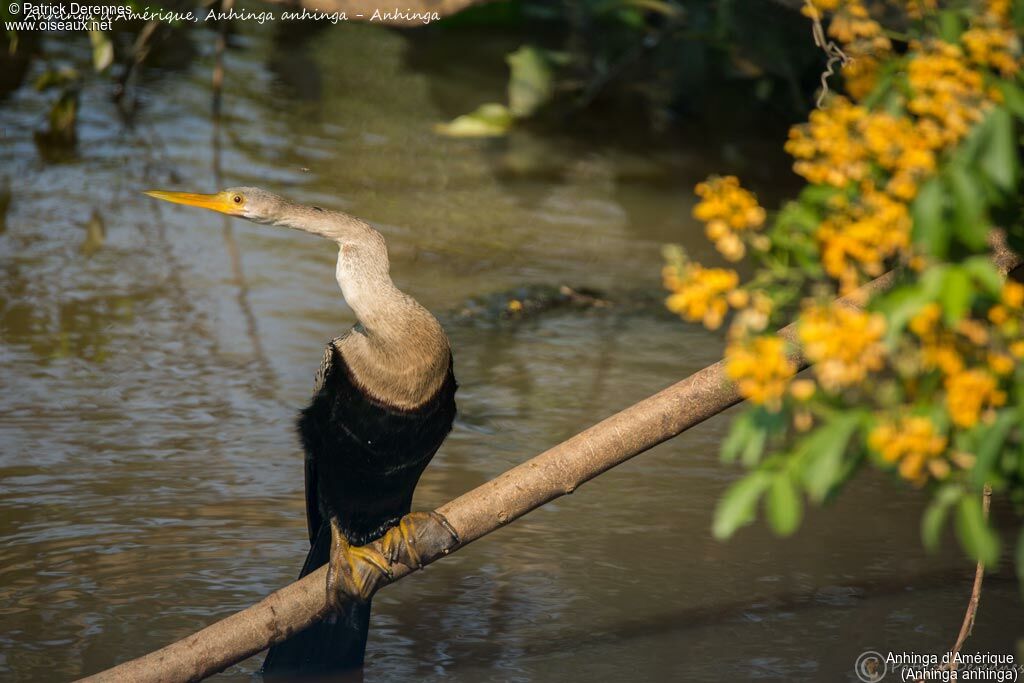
(951, 25)
(1013, 98)
(782, 505)
(488, 120)
(990, 446)
(899, 306)
(532, 81)
(969, 224)
(755, 446)
(956, 295)
(976, 537)
(822, 453)
(998, 157)
(736, 508)
(818, 195)
(985, 274)
(931, 230)
(739, 433)
(934, 518)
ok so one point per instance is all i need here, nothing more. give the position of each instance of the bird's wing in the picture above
(325, 366)
(313, 518)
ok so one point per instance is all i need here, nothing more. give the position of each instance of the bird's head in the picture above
(362, 248)
(261, 206)
(251, 203)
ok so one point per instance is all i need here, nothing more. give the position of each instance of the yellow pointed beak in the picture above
(220, 202)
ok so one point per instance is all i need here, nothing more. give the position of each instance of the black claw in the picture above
(447, 525)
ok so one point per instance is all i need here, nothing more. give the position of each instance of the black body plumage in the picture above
(363, 460)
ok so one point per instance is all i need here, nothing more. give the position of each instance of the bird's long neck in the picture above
(398, 352)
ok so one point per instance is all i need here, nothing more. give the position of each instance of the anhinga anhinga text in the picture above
(384, 401)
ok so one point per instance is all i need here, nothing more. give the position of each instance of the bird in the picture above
(383, 403)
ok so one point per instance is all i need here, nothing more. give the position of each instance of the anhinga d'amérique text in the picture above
(384, 401)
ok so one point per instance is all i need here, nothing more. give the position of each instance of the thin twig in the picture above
(972, 606)
(834, 53)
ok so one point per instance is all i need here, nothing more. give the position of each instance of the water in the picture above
(150, 481)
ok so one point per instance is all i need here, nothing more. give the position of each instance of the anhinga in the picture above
(384, 401)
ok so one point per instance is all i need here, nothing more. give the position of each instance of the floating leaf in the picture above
(102, 50)
(55, 78)
(532, 81)
(488, 120)
(95, 233)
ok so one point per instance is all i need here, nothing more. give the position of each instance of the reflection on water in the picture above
(149, 477)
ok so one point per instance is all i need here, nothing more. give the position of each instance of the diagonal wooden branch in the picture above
(550, 475)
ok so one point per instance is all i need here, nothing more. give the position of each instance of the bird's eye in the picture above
(237, 199)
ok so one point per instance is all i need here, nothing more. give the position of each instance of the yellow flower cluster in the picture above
(860, 75)
(859, 33)
(845, 344)
(948, 94)
(862, 236)
(727, 210)
(938, 347)
(841, 142)
(760, 368)
(915, 444)
(815, 8)
(917, 8)
(828, 149)
(968, 393)
(994, 47)
(1008, 316)
(894, 143)
(864, 41)
(969, 390)
(700, 294)
(998, 10)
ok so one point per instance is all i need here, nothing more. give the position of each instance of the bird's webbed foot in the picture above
(356, 572)
(353, 571)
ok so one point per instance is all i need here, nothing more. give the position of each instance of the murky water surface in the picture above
(150, 481)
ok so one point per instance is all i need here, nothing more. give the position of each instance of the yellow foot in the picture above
(418, 538)
(356, 572)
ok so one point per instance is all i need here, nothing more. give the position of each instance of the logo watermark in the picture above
(79, 16)
(870, 667)
(873, 666)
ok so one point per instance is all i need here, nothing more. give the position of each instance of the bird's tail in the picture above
(335, 644)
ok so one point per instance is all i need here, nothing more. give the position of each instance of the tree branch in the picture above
(550, 475)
